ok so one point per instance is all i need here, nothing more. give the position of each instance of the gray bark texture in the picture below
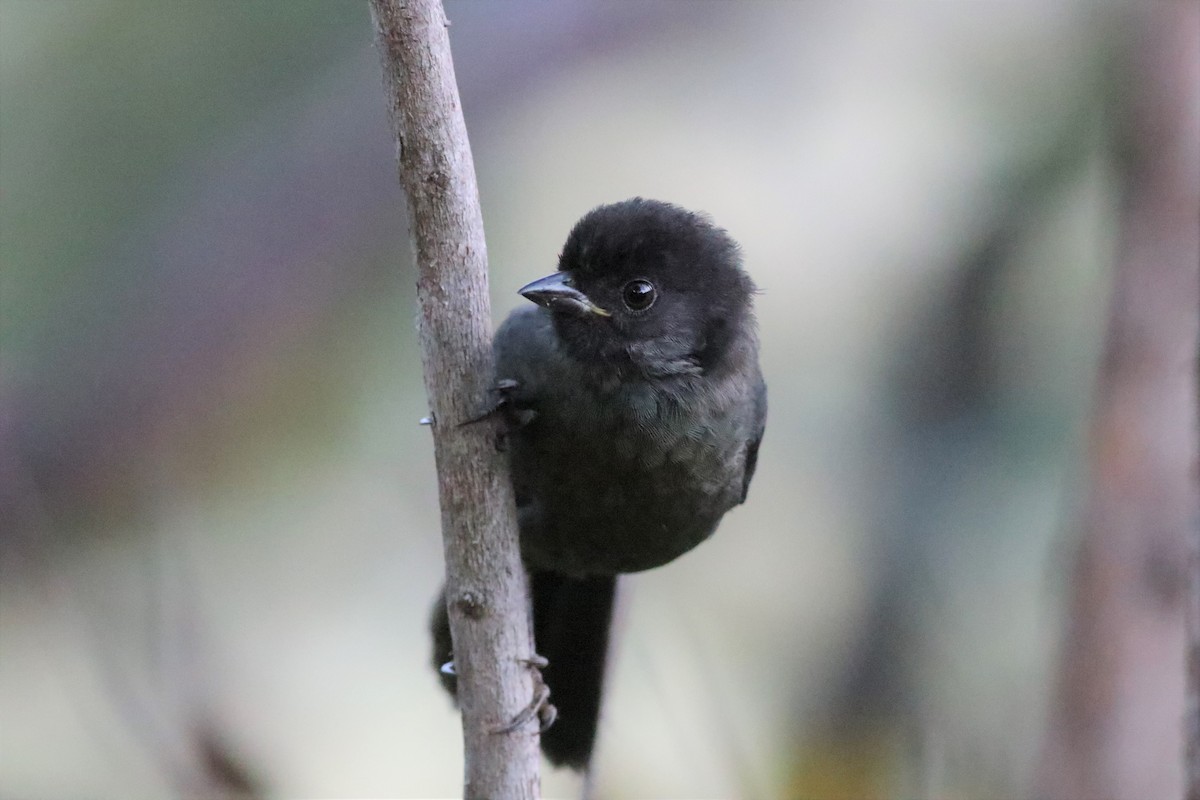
(487, 595)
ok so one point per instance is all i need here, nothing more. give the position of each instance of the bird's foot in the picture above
(540, 706)
(503, 392)
(506, 406)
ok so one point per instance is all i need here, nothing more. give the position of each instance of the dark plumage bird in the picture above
(637, 408)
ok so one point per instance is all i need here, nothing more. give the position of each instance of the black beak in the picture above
(555, 291)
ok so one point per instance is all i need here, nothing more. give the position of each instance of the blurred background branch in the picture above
(1116, 725)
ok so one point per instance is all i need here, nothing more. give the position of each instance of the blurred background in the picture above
(218, 515)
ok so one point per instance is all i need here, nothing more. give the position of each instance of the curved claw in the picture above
(536, 661)
(546, 716)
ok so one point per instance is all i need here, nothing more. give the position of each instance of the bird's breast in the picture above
(622, 485)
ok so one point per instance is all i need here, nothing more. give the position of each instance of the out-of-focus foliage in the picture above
(219, 523)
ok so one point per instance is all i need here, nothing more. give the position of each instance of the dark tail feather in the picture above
(571, 619)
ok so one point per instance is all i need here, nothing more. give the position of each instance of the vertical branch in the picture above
(486, 592)
(1191, 722)
(1115, 731)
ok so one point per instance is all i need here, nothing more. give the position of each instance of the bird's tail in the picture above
(571, 621)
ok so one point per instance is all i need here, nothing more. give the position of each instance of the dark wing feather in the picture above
(760, 425)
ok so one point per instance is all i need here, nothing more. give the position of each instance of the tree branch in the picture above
(486, 591)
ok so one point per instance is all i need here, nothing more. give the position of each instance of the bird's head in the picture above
(647, 284)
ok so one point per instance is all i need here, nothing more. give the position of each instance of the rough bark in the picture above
(1191, 724)
(486, 583)
(1116, 730)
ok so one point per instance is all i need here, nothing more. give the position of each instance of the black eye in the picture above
(638, 295)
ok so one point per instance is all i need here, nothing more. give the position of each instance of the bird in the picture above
(635, 405)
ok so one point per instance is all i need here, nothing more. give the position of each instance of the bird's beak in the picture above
(556, 291)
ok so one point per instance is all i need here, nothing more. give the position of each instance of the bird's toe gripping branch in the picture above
(540, 706)
(508, 408)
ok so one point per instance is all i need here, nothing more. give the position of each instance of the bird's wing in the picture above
(527, 359)
(526, 353)
(760, 425)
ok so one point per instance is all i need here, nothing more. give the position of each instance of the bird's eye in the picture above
(638, 295)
